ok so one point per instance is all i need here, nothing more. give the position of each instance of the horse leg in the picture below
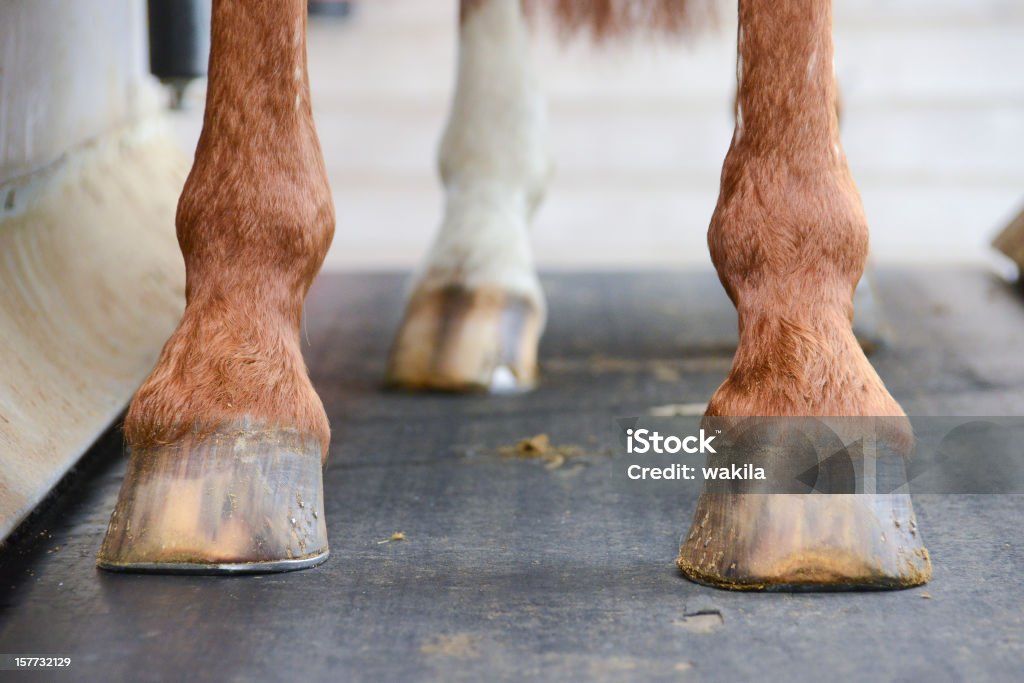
(227, 436)
(789, 240)
(476, 312)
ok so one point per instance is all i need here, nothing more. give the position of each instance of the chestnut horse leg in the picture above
(789, 240)
(476, 312)
(227, 436)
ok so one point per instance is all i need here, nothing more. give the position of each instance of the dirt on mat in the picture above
(539, 447)
(457, 645)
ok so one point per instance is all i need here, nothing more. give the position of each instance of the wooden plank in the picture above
(93, 284)
(1011, 240)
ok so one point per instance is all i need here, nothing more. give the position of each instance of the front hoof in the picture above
(804, 542)
(457, 339)
(237, 500)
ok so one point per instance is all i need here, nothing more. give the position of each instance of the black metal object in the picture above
(179, 43)
(330, 8)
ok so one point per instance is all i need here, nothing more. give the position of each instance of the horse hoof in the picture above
(457, 339)
(237, 500)
(794, 542)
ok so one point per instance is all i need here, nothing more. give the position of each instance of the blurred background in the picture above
(933, 94)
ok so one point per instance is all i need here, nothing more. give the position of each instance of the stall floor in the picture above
(544, 569)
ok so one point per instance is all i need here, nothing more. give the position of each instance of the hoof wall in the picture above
(790, 542)
(238, 500)
(455, 339)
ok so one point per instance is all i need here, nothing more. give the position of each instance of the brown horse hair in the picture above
(254, 222)
(606, 19)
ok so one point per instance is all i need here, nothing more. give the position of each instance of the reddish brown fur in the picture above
(607, 18)
(254, 222)
(789, 238)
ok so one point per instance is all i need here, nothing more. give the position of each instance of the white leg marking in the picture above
(493, 159)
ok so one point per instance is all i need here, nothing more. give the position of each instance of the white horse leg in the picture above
(476, 312)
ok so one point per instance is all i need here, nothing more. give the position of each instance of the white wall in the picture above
(70, 71)
(934, 129)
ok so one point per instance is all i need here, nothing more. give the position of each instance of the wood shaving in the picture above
(539, 447)
(397, 536)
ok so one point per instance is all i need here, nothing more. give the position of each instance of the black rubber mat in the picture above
(514, 568)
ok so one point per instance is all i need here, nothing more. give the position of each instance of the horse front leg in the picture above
(789, 240)
(476, 312)
(227, 436)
